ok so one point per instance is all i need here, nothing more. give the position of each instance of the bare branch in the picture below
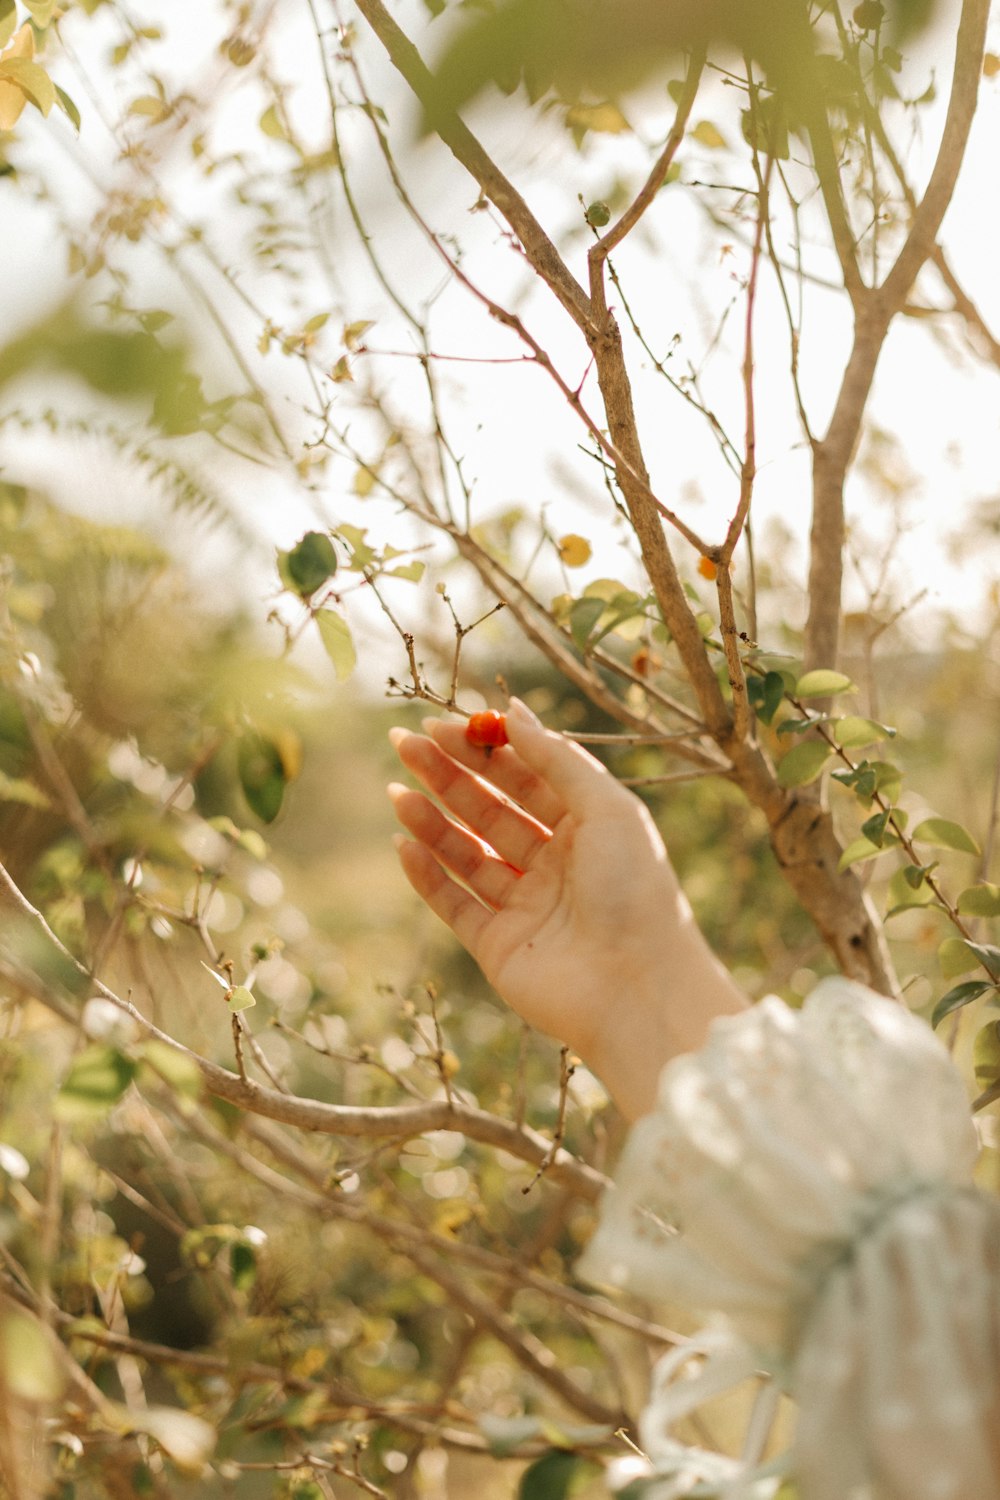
(541, 252)
(654, 182)
(966, 74)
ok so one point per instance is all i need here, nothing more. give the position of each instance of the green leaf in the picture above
(28, 1365)
(583, 619)
(308, 565)
(97, 1079)
(240, 999)
(962, 994)
(959, 955)
(606, 119)
(888, 779)
(943, 834)
(765, 694)
(765, 127)
(856, 852)
(874, 828)
(982, 900)
(17, 789)
(803, 763)
(852, 732)
(903, 895)
(822, 683)
(362, 555)
(986, 1054)
(175, 1068)
(243, 1265)
(335, 634)
(411, 571)
(799, 726)
(262, 775)
(316, 322)
(504, 1435)
(555, 1476)
(988, 955)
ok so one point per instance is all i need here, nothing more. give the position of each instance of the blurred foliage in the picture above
(603, 48)
(199, 818)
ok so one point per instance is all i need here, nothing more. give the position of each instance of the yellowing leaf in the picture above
(606, 118)
(707, 134)
(187, 1439)
(27, 1359)
(270, 124)
(355, 332)
(991, 65)
(42, 11)
(12, 104)
(412, 572)
(150, 105)
(822, 683)
(574, 550)
(31, 79)
(364, 482)
(23, 44)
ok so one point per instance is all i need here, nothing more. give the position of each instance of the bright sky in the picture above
(519, 439)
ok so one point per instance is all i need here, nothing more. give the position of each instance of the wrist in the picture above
(666, 1011)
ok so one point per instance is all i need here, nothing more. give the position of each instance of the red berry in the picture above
(487, 730)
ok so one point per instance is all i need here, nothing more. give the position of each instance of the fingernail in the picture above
(521, 711)
(399, 841)
(396, 735)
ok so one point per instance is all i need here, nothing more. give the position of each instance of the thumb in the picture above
(582, 783)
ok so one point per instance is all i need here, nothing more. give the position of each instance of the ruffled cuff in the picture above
(807, 1176)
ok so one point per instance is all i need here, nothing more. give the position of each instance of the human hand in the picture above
(568, 902)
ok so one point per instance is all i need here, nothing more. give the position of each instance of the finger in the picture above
(502, 767)
(466, 917)
(515, 835)
(571, 773)
(487, 875)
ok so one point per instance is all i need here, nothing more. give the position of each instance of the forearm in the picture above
(659, 1015)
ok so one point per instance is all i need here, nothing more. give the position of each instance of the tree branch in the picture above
(541, 252)
(832, 456)
(381, 1122)
(919, 243)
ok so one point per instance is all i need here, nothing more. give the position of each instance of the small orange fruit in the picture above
(487, 730)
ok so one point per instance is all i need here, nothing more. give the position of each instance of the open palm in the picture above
(551, 874)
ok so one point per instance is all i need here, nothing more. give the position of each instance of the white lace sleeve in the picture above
(808, 1176)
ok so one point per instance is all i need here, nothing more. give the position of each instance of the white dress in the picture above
(805, 1182)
